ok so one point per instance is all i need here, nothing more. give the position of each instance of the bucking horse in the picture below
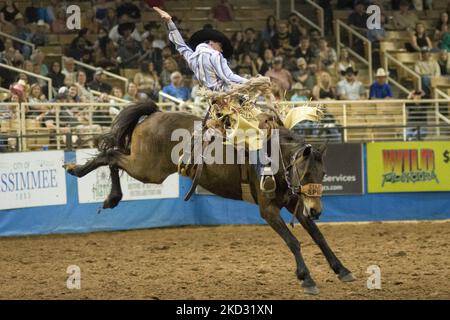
(139, 142)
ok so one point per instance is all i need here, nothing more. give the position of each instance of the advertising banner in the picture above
(408, 166)
(32, 179)
(95, 186)
(344, 169)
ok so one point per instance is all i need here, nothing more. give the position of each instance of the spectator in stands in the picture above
(265, 63)
(417, 114)
(151, 55)
(282, 41)
(350, 88)
(69, 72)
(117, 92)
(324, 89)
(52, 8)
(304, 51)
(128, 9)
(176, 88)
(419, 39)
(327, 15)
(38, 58)
(132, 92)
(222, 11)
(74, 93)
(36, 12)
(101, 10)
(445, 38)
(129, 49)
(304, 74)
(443, 20)
(296, 30)
(358, 18)
(380, 89)
(147, 80)
(98, 83)
(22, 32)
(8, 13)
(40, 37)
(58, 24)
(88, 20)
(246, 66)
(123, 30)
(169, 66)
(56, 75)
(270, 29)
(300, 93)
(250, 45)
(427, 68)
(105, 55)
(278, 74)
(405, 19)
(327, 56)
(84, 91)
(110, 20)
(36, 94)
(344, 62)
(314, 41)
(444, 63)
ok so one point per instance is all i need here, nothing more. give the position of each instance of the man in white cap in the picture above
(380, 89)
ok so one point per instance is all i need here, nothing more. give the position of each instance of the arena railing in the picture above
(6, 35)
(37, 126)
(93, 68)
(341, 26)
(402, 68)
(34, 75)
(320, 15)
(180, 105)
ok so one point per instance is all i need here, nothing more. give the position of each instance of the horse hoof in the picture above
(347, 278)
(313, 290)
(69, 167)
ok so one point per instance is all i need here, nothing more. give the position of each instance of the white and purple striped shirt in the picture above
(209, 66)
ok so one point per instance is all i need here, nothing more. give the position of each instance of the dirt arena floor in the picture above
(228, 262)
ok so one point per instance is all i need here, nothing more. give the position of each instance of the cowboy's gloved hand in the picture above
(164, 15)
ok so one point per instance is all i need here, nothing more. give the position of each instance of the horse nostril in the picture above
(314, 214)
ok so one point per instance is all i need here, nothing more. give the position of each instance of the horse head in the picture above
(306, 172)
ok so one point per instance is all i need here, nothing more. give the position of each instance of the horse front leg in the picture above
(311, 227)
(272, 215)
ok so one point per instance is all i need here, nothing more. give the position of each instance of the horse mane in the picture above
(119, 136)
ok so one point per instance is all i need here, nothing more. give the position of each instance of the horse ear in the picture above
(307, 151)
(323, 149)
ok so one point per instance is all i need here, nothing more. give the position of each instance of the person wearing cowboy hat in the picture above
(40, 37)
(350, 88)
(380, 89)
(206, 55)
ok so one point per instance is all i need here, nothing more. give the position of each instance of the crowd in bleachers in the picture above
(302, 64)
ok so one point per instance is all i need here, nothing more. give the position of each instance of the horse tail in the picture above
(119, 137)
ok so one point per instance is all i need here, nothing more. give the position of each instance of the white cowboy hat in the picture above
(381, 73)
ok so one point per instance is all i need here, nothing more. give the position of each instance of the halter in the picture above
(313, 190)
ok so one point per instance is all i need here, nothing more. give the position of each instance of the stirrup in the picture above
(268, 184)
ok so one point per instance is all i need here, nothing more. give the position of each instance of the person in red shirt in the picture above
(222, 11)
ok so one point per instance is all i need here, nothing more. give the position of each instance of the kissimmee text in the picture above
(28, 180)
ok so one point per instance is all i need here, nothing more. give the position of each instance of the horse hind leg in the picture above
(115, 194)
(109, 157)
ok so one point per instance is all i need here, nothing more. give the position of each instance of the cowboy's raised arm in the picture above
(174, 35)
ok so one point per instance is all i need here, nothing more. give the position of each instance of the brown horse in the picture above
(143, 148)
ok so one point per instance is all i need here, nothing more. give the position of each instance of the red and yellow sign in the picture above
(408, 166)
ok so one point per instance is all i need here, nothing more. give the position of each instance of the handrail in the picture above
(368, 61)
(32, 45)
(277, 9)
(164, 95)
(388, 56)
(320, 26)
(93, 68)
(31, 74)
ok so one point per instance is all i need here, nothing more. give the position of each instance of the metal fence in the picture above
(42, 126)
